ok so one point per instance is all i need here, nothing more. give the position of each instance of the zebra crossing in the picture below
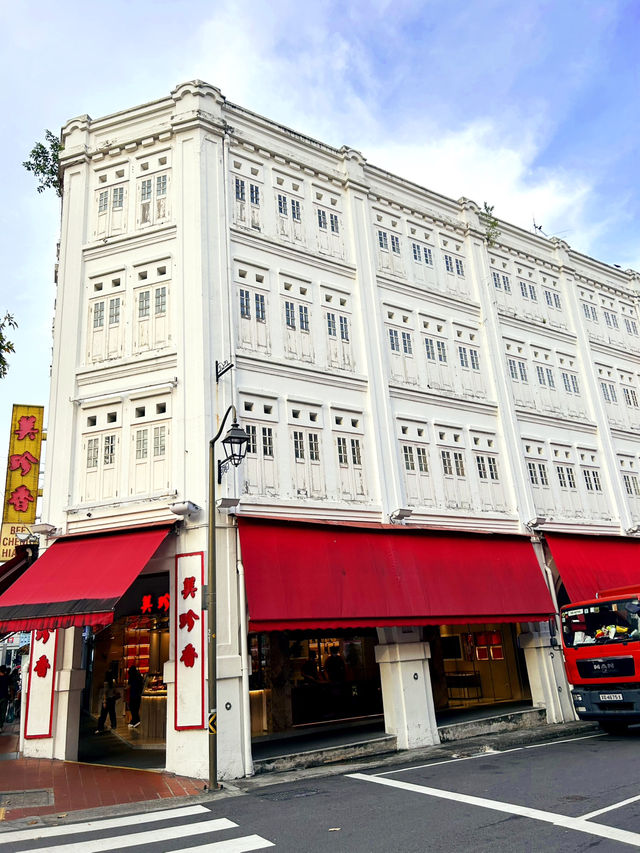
(194, 826)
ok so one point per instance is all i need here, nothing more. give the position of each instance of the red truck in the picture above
(601, 641)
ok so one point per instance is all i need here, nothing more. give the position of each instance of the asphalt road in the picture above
(568, 795)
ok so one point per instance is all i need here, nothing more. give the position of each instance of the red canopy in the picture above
(589, 564)
(78, 580)
(323, 576)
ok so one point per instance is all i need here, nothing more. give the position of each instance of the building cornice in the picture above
(150, 237)
(271, 367)
(120, 370)
(555, 419)
(444, 399)
(292, 252)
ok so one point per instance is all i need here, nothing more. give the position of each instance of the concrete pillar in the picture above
(547, 678)
(409, 712)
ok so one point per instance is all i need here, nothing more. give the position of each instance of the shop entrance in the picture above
(303, 682)
(475, 665)
(121, 660)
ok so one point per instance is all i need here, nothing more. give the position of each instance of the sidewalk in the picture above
(30, 787)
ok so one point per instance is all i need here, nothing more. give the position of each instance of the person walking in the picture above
(136, 684)
(109, 696)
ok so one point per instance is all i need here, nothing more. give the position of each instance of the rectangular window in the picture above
(570, 382)
(522, 367)
(314, 447)
(395, 244)
(331, 325)
(93, 448)
(558, 304)
(475, 359)
(146, 190)
(632, 326)
(282, 204)
(98, 315)
(630, 397)
(428, 256)
(409, 462)
(458, 460)
(344, 328)
(322, 219)
(561, 477)
(267, 442)
(114, 311)
(497, 282)
(442, 351)
(356, 456)
(542, 379)
(383, 241)
(118, 198)
(407, 346)
(492, 463)
(506, 283)
(109, 449)
(103, 201)
(464, 357)
(295, 210)
(143, 303)
(423, 464)
(609, 392)
(161, 185)
(588, 480)
(631, 485)
(290, 314)
(260, 308)
(513, 368)
(459, 267)
(542, 471)
(304, 318)
(245, 304)
(334, 223)
(532, 293)
(298, 444)
(430, 349)
(343, 458)
(571, 477)
(447, 468)
(523, 290)
(240, 192)
(482, 468)
(448, 262)
(161, 300)
(550, 380)
(252, 443)
(417, 253)
(548, 298)
(394, 340)
(254, 194)
(159, 440)
(533, 473)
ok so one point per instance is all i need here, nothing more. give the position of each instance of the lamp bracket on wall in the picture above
(221, 368)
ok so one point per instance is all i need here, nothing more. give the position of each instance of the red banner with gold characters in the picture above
(23, 469)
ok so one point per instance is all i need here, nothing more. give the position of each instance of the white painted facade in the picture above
(385, 357)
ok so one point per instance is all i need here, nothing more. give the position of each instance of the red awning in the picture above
(78, 580)
(323, 576)
(589, 564)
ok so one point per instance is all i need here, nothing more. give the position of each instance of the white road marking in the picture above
(118, 842)
(234, 845)
(610, 808)
(93, 825)
(489, 754)
(578, 824)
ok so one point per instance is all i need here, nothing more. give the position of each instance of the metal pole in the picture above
(211, 613)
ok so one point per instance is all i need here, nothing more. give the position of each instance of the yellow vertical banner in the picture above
(23, 469)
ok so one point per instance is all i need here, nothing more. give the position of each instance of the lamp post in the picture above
(235, 448)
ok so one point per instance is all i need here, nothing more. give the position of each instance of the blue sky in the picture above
(531, 106)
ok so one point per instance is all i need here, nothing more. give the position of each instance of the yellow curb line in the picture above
(114, 766)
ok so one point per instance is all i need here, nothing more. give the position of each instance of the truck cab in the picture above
(601, 642)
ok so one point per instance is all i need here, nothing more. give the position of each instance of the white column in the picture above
(547, 678)
(409, 712)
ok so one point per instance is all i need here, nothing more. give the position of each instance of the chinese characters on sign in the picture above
(153, 604)
(190, 652)
(21, 484)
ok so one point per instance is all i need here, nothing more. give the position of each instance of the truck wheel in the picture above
(614, 727)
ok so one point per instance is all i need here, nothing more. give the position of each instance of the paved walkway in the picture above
(30, 787)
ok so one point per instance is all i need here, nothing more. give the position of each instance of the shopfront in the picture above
(379, 605)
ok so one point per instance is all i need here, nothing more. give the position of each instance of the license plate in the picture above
(611, 697)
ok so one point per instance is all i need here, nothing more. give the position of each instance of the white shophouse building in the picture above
(430, 413)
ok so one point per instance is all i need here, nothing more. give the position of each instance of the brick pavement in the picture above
(74, 785)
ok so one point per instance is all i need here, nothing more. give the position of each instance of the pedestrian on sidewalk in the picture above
(5, 685)
(136, 684)
(109, 697)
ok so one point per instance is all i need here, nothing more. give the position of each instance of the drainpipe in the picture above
(244, 670)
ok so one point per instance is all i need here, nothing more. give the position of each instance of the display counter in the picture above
(153, 714)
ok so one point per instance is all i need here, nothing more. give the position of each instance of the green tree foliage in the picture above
(44, 163)
(6, 346)
(491, 232)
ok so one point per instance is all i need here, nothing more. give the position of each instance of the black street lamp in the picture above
(235, 449)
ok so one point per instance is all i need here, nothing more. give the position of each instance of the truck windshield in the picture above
(601, 622)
